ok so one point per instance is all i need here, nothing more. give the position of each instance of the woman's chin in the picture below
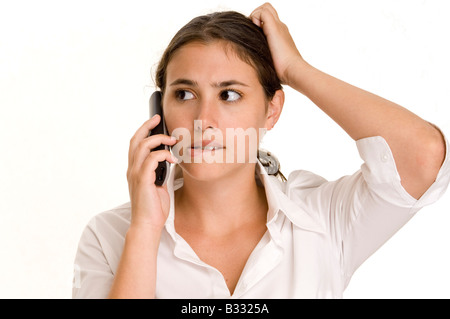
(209, 171)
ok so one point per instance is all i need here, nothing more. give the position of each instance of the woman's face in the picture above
(215, 100)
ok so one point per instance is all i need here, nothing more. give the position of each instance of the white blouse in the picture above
(318, 234)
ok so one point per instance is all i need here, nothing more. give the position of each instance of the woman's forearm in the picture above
(360, 113)
(136, 274)
(418, 147)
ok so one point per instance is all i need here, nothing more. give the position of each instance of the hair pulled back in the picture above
(247, 40)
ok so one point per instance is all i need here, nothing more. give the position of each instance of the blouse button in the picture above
(384, 158)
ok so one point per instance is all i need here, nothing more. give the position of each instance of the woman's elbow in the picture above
(428, 163)
(434, 155)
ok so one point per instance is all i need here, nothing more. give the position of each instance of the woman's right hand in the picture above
(149, 203)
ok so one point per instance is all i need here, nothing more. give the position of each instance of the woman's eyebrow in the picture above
(184, 82)
(216, 85)
(228, 83)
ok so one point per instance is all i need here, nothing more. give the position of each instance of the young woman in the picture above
(226, 227)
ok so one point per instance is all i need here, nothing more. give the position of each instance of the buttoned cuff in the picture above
(380, 173)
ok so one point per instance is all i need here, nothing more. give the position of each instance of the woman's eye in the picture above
(184, 95)
(230, 96)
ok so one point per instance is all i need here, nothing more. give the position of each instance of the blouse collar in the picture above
(277, 200)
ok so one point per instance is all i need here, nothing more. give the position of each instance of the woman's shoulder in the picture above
(302, 179)
(302, 185)
(112, 222)
(101, 242)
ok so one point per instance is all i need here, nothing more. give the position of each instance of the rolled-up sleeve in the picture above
(360, 212)
(380, 173)
(371, 205)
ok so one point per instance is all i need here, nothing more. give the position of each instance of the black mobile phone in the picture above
(156, 108)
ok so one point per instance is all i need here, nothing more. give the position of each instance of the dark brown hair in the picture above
(247, 40)
(249, 43)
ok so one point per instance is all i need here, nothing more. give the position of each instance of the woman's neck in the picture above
(222, 205)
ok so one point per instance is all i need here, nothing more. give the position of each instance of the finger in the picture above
(264, 9)
(255, 16)
(141, 134)
(265, 17)
(272, 10)
(145, 146)
(147, 171)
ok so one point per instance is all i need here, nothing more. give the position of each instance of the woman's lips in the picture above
(205, 146)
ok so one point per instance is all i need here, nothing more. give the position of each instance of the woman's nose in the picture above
(207, 115)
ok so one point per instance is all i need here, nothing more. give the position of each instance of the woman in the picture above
(226, 227)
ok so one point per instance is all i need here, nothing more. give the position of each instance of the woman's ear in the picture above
(274, 109)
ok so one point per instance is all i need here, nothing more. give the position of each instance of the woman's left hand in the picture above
(285, 54)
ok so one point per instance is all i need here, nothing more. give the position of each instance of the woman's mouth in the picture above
(205, 146)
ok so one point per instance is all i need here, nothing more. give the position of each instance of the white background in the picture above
(75, 77)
